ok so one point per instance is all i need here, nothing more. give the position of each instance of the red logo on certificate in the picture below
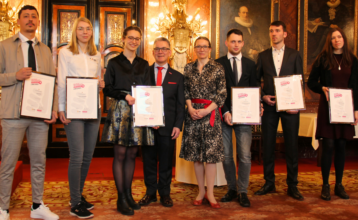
(283, 83)
(36, 82)
(78, 85)
(242, 95)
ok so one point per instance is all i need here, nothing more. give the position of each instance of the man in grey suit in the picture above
(19, 56)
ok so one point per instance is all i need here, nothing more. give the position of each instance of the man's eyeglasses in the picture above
(164, 49)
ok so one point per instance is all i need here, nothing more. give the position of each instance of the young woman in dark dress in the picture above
(122, 72)
(335, 66)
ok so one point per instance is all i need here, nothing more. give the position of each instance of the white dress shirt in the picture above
(25, 49)
(277, 58)
(164, 71)
(238, 64)
(80, 65)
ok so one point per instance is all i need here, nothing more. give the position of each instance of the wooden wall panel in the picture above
(62, 22)
(289, 14)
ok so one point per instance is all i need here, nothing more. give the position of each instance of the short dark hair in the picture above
(234, 31)
(131, 28)
(162, 39)
(278, 24)
(28, 7)
(202, 38)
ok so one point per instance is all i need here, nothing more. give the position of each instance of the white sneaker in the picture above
(4, 215)
(43, 212)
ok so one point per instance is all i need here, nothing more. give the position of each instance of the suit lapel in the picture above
(167, 76)
(271, 61)
(152, 76)
(243, 68)
(231, 73)
(285, 57)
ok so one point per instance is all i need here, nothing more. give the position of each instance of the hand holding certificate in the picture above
(148, 109)
(341, 109)
(246, 108)
(37, 97)
(81, 97)
(289, 93)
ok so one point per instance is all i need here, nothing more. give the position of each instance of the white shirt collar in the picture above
(229, 56)
(24, 39)
(165, 65)
(280, 50)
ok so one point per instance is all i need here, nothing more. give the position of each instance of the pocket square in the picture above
(172, 83)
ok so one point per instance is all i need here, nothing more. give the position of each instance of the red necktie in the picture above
(159, 77)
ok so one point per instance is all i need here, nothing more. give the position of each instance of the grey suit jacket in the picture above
(11, 61)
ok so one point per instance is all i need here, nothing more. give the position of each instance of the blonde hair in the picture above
(73, 45)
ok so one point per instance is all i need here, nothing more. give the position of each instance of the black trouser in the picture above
(163, 152)
(330, 145)
(290, 124)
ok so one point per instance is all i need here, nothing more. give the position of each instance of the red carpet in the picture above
(101, 168)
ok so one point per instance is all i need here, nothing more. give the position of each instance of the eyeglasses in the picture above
(201, 47)
(164, 49)
(82, 29)
(133, 38)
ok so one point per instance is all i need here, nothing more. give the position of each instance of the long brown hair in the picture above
(327, 57)
(73, 45)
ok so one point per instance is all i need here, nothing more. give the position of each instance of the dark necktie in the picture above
(31, 56)
(234, 70)
(159, 77)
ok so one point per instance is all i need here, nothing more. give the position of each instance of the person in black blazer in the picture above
(174, 107)
(239, 71)
(336, 66)
(278, 61)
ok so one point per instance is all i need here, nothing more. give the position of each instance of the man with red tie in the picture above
(174, 106)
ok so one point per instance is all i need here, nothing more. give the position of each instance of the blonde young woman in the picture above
(80, 58)
(122, 72)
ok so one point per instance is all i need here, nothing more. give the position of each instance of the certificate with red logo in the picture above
(148, 109)
(37, 96)
(341, 108)
(289, 93)
(245, 105)
(81, 97)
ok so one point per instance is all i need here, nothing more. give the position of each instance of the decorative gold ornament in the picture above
(181, 29)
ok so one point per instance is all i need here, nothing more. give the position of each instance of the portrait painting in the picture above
(253, 18)
(320, 17)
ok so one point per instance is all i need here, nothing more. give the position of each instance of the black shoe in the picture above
(229, 196)
(81, 211)
(123, 206)
(339, 191)
(326, 192)
(166, 201)
(243, 200)
(294, 193)
(266, 188)
(88, 205)
(130, 200)
(147, 199)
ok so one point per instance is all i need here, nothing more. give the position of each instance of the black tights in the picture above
(339, 146)
(123, 166)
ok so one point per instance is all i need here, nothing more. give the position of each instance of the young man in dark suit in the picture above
(239, 71)
(174, 106)
(278, 61)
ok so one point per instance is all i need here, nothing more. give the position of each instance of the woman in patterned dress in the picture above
(122, 72)
(337, 67)
(205, 93)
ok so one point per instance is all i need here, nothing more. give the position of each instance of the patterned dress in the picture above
(201, 141)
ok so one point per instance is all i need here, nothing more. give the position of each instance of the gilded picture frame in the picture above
(261, 14)
(318, 18)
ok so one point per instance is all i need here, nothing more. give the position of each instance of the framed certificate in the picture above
(81, 97)
(148, 110)
(289, 93)
(245, 105)
(341, 108)
(37, 96)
